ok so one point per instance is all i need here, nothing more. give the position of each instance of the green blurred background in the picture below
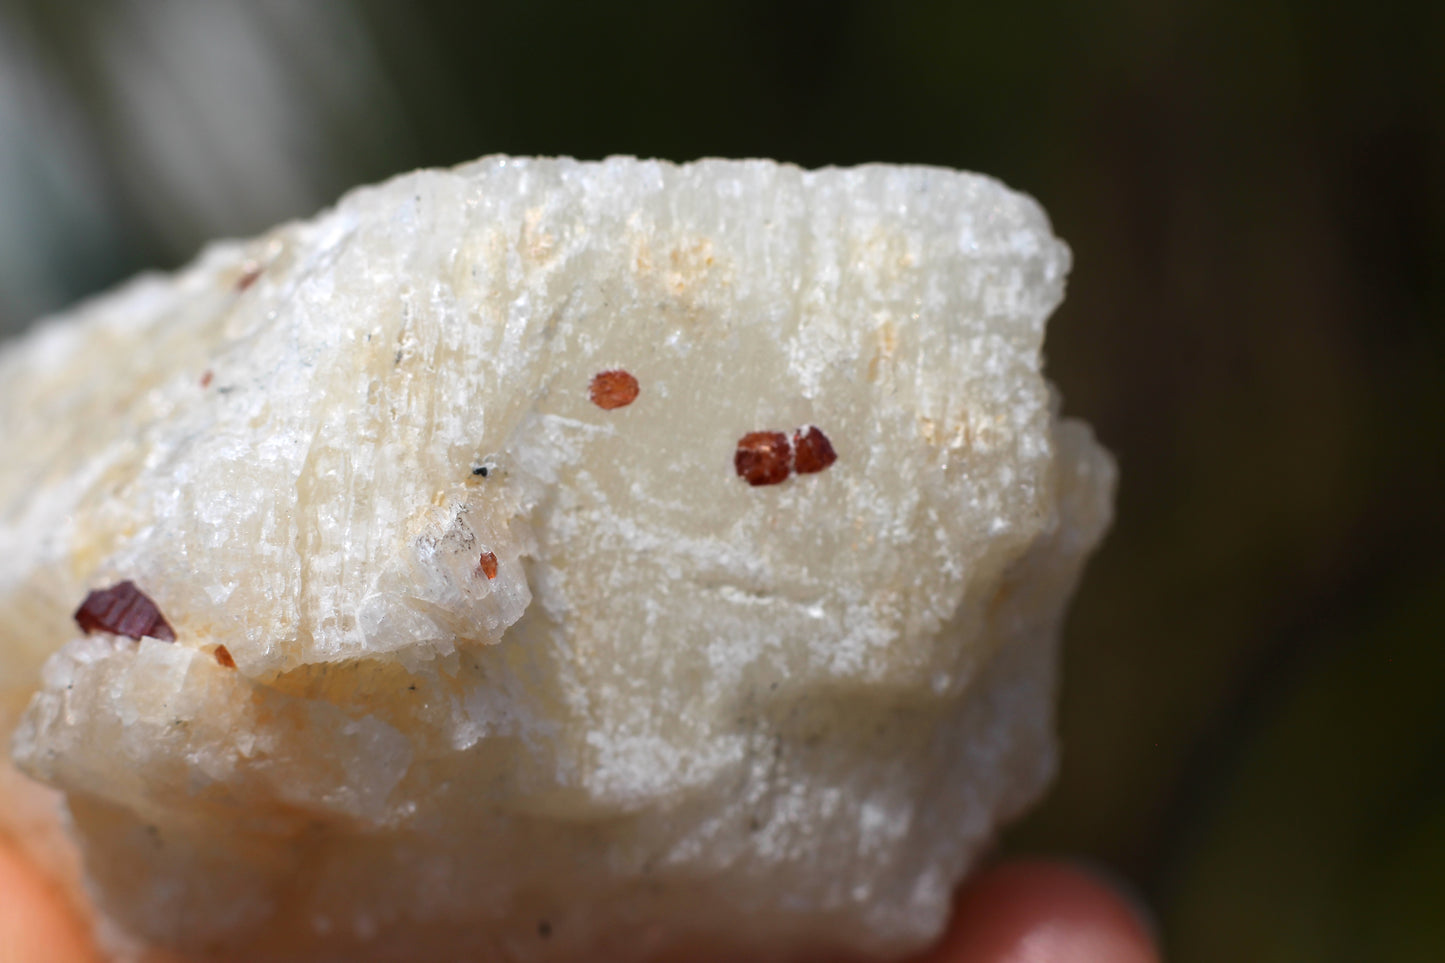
(1254, 701)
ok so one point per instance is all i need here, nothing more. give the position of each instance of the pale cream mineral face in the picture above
(544, 560)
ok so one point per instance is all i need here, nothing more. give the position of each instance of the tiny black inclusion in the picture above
(544, 929)
(481, 470)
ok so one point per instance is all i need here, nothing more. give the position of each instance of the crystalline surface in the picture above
(523, 668)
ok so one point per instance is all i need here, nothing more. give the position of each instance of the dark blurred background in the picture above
(1254, 701)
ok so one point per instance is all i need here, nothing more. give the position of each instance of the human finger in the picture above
(1043, 912)
(36, 923)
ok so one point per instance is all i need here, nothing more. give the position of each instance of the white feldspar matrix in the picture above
(544, 560)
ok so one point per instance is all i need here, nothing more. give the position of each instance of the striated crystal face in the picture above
(565, 560)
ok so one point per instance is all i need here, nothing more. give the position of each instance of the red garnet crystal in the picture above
(613, 389)
(124, 610)
(488, 565)
(764, 457)
(812, 451)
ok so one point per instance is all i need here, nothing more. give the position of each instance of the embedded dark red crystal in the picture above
(763, 457)
(812, 451)
(612, 389)
(124, 610)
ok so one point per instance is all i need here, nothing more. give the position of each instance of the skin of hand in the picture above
(1037, 911)
(1022, 912)
(36, 923)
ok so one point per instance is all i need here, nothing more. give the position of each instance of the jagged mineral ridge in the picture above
(615, 561)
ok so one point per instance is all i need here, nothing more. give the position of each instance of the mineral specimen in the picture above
(463, 637)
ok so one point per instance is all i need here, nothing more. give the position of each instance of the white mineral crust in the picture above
(689, 717)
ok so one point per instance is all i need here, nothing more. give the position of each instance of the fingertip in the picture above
(36, 924)
(1043, 912)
